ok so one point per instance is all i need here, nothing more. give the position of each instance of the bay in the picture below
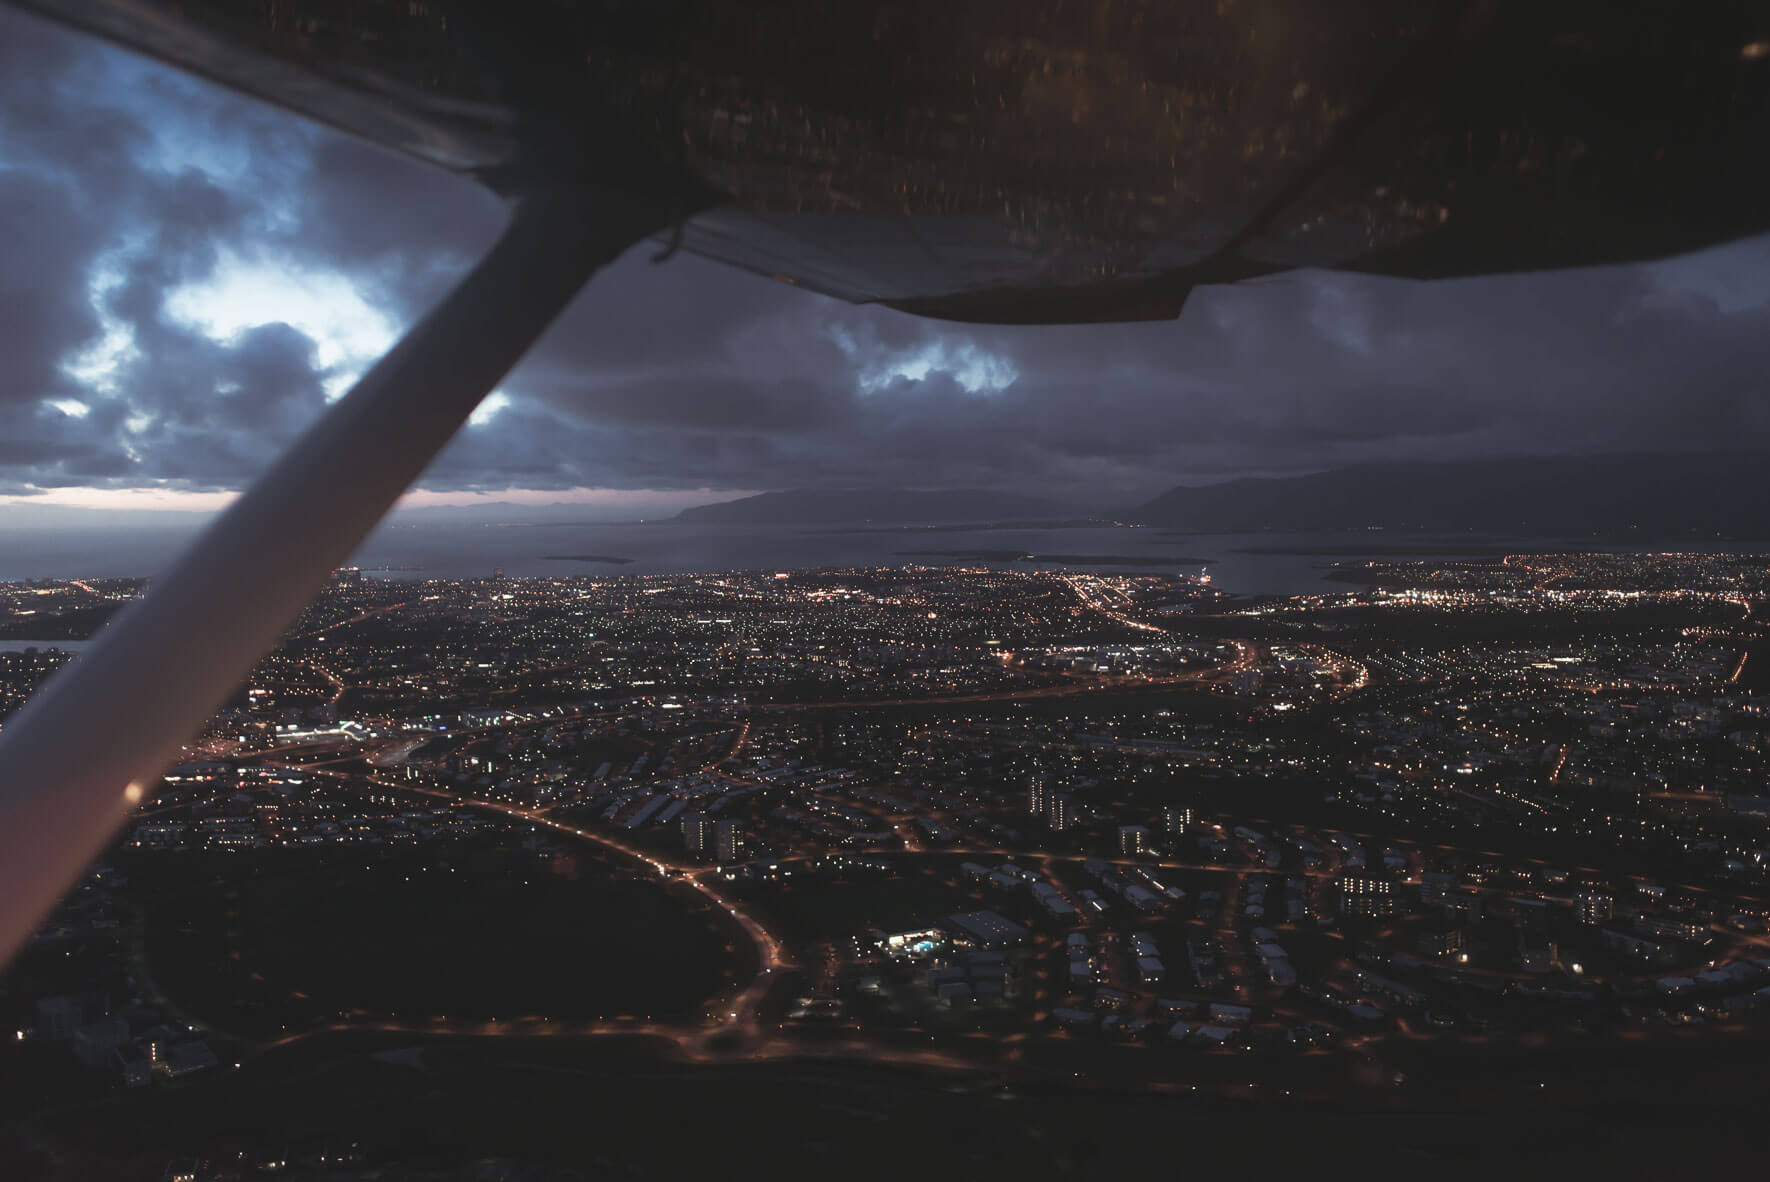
(1248, 564)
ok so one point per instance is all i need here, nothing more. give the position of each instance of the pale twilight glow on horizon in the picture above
(630, 502)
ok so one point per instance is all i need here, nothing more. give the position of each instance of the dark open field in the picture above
(827, 909)
(480, 929)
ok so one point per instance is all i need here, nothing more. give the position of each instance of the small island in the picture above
(610, 559)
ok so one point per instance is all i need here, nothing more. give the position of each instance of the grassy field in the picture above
(275, 942)
(832, 908)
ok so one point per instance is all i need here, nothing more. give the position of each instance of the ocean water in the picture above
(1250, 564)
(19, 646)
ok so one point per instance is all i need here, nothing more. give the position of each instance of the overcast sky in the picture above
(187, 277)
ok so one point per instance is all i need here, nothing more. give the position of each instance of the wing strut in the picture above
(94, 740)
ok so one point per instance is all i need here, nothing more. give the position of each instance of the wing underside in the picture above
(1033, 162)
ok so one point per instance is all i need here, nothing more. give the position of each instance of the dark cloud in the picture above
(122, 185)
(34, 452)
(398, 228)
(46, 311)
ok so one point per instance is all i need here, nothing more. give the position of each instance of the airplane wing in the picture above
(1034, 161)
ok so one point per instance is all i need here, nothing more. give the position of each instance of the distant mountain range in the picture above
(1646, 496)
(1618, 496)
(896, 506)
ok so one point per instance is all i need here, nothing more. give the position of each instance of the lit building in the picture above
(1177, 817)
(1594, 907)
(1450, 942)
(728, 842)
(1060, 811)
(1133, 839)
(698, 834)
(1363, 894)
(985, 929)
(1038, 793)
